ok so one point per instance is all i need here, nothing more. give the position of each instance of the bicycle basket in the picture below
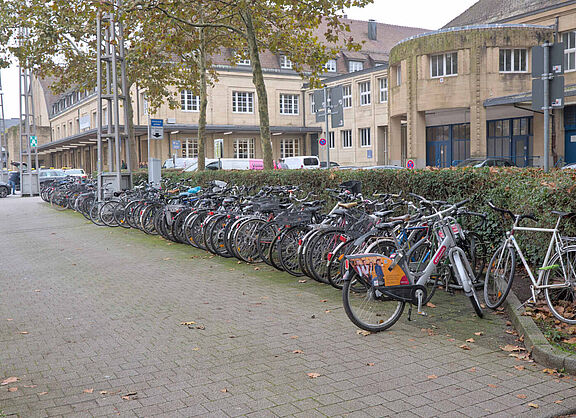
(353, 186)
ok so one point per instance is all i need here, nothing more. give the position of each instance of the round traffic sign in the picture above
(322, 142)
(410, 164)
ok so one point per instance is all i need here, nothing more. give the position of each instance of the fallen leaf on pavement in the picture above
(549, 371)
(88, 390)
(327, 311)
(323, 301)
(224, 390)
(298, 351)
(14, 389)
(103, 392)
(558, 401)
(508, 323)
(9, 380)
(533, 405)
(519, 367)
(23, 332)
(432, 376)
(570, 340)
(9, 319)
(166, 259)
(464, 347)
(294, 337)
(187, 323)
(430, 305)
(29, 386)
(451, 340)
(521, 396)
(473, 369)
(36, 290)
(313, 375)
(479, 333)
(490, 385)
(129, 396)
(369, 364)
(42, 393)
(512, 348)
(256, 268)
(302, 281)
(470, 340)
(363, 332)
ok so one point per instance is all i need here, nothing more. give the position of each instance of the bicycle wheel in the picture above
(245, 240)
(288, 249)
(266, 235)
(499, 276)
(475, 250)
(417, 263)
(324, 244)
(107, 211)
(561, 275)
(336, 271)
(366, 309)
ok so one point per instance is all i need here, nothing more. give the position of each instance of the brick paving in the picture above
(90, 323)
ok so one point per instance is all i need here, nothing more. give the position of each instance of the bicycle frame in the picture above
(555, 242)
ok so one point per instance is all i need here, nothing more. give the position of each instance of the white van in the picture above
(303, 161)
(181, 163)
(236, 164)
(194, 166)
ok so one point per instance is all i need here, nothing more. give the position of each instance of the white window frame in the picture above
(570, 51)
(354, 66)
(513, 57)
(241, 61)
(312, 103)
(289, 104)
(331, 142)
(289, 147)
(347, 96)
(285, 62)
(330, 66)
(364, 93)
(365, 137)
(190, 148)
(399, 74)
(383, 84)
(446, 65)
(244, 148)
(346, 136)
(242, 102)
(189, 102)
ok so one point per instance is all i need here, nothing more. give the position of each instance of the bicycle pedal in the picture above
(422, 313)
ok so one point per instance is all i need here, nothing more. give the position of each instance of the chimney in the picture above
(372, 29)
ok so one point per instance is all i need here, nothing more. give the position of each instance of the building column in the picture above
(395, 140)
(417, 138)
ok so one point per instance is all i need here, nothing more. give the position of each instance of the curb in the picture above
(542, 351)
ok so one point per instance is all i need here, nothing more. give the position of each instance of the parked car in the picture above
(236, 164)
(47, 174)
(569, 166)
(486, 162)
(383, 167)
(181, 163)
(76, 172)
(194, 166)
(303, 161)
(4, 189)
(323, 164)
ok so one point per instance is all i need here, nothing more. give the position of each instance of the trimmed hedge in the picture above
(520, 190)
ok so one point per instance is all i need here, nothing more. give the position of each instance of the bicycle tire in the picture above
(245, 240)
(499, 276)
(266, 235)
(562, 300)
(318, 251)
(288, 249)
(361, 305)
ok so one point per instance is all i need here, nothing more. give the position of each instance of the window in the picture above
(330, 66)
(398, 74)
(364, 89)
(189, 102)
(354, 66)
(242, 102)
(331, 139)
(244, 148)
(289, 148)
(365, 140)
(285, 62)
(312, 103)
(347, 96)
(241, 60)
(289, 104)
(383, 82)
(570, 51)
(190, 148)
(347, 139)
(444, 65)
(513, 60)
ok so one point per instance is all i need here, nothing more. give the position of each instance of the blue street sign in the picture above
(369, 153)
(156, 122)
(322, 142)
(175, 144)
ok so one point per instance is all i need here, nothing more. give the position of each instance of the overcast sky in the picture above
(417, 13)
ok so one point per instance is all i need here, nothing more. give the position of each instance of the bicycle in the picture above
(556, 276)
(377, 287)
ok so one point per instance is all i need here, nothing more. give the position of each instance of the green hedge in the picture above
(520, 190)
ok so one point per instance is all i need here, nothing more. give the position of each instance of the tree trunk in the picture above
(131, 140)
(258, 80)
(203, 103)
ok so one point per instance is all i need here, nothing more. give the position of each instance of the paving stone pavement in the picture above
(91, 325)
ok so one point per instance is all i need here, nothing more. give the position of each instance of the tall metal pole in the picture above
(546, 78)
(99, 109)
(326, 106)
(3, 142)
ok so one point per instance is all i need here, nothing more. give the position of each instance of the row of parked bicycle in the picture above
(384, 252)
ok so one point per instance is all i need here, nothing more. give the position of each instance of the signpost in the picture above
(547, 86)
(322, 142)
(33, 141)
(218, 150)
(176, 144)
(410, 164)
(329, 101)
(157, 128)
